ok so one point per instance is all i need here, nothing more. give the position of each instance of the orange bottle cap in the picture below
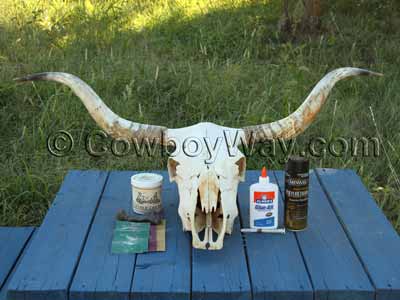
(264, 172)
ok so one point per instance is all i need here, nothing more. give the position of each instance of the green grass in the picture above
(175, 63)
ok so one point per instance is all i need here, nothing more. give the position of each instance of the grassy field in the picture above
(175, 63)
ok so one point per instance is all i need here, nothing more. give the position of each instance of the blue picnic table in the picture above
(349, 250)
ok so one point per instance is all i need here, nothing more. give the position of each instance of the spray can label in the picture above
(296, 201)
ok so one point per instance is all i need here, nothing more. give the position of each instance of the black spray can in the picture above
(296, 193)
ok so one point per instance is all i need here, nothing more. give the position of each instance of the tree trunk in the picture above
(285, 22)
(300, 17)
(312, 15)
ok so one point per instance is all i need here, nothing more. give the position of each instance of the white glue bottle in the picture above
(264, 203)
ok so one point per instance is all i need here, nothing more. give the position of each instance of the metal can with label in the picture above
(296, 193)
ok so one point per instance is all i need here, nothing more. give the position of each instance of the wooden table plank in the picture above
(14, 242)
(275, 262)
(335, 270)
(47, 268)
(166, 275)
(372, 235)
(221, 274)
(101, 274)
(276, 265)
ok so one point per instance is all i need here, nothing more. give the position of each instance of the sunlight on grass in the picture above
(134, 15)
(186, 9)
(103, 18)
(175, 63)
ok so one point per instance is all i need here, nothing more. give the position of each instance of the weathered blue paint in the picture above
(334, 268)
(166, 275)
(372, 235)
(101, 274)
(221, 274)
(13, 241)
(349, 251)
(276, 266)
(46, 270)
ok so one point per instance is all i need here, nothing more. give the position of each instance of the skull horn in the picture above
(298, 121)
(113, 124)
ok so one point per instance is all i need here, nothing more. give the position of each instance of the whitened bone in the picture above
(207, 181)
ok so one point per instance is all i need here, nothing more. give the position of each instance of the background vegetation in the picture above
(180, 62)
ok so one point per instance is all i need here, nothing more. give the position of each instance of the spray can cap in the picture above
(263, 178)
(297, 164)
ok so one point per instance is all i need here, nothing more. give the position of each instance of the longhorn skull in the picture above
(206, 164)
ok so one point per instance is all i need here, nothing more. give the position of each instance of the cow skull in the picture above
(206, 163)
(207, 166)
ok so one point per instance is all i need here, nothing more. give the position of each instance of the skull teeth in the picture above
(206, 208)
